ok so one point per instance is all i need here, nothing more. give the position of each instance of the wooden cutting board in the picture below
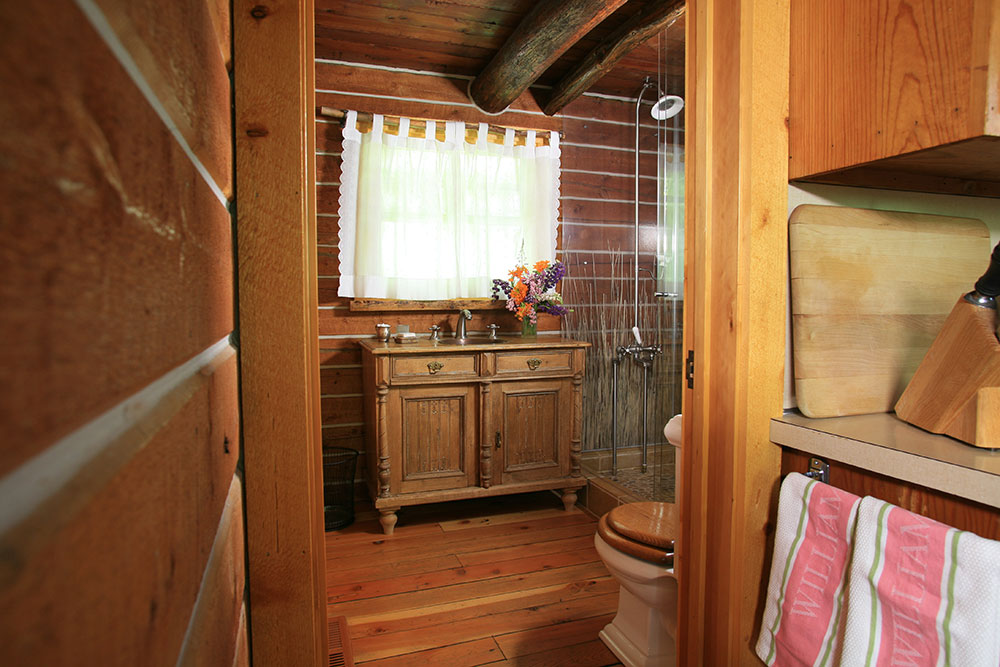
(870, 291)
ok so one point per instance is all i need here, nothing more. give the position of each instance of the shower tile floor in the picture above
(646, 485)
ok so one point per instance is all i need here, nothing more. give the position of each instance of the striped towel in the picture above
(812, 546)
(921, 592)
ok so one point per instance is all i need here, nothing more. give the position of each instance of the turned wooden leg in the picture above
(388, 520)
(569, 498)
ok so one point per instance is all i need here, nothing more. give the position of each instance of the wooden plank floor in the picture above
(511, 580)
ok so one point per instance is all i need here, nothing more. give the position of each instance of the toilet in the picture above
(636, 543)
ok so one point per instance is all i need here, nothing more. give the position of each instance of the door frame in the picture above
(736, 238)
(274, 128)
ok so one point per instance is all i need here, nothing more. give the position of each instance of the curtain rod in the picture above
(341, 114)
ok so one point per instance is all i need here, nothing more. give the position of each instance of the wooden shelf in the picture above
(884, 444)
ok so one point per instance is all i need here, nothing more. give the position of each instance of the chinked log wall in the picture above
(121, 515)
(596, 211)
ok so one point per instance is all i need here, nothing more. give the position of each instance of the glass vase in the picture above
(528, 328)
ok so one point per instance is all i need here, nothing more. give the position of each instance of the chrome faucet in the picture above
(460, 334)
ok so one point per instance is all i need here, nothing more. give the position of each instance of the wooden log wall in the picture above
(121, 504)
(596, 213)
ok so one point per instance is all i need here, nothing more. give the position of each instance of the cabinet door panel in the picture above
(432, 439)
(533, 419)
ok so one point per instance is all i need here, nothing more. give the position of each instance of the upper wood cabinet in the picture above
(896, 94)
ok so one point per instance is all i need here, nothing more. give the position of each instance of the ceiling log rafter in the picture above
(544, 34)
(654, 17)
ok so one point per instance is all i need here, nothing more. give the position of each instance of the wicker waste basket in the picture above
(338, 486)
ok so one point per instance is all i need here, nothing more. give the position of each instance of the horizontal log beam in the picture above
(543, 35)
(654, 17)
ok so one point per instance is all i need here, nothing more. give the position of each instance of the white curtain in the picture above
(425, 219)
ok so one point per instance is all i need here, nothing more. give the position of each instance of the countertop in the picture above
(507, 343)
(884, 444)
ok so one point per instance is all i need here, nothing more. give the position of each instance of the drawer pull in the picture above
(498, 441)
(534, 363)
(434, 367)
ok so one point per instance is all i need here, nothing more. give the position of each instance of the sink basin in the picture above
(470, 341)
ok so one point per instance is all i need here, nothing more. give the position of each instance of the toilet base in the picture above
(639, 635)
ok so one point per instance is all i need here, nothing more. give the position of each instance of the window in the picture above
(438, 217)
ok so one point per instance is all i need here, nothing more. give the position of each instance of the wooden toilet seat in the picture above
(644, 530)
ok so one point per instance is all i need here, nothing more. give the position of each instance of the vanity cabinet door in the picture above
(531, 426)
(432, 435)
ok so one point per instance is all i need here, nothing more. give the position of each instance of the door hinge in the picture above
(689, 369)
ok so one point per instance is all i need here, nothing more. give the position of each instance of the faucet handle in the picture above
(435, 332)
(493, 330)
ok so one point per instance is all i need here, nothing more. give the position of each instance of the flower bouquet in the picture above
(530, 292)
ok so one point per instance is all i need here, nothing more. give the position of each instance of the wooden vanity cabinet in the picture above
(447, 422)
(431, 432)
(896, 95)
(529, 420)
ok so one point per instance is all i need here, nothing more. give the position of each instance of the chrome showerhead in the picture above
(667, 106)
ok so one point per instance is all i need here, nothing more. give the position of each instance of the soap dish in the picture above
(405, 340)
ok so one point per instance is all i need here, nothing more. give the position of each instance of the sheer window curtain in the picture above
(426, 219)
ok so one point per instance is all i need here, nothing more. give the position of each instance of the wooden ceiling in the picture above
(462, 36)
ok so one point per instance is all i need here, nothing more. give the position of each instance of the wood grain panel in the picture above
(327, 169)
(116, 260)
(276, 177)
(327, 295)
(118, 583)
(339, 352)
(585, 237)
(340, 380)
(431, 434)
(328, 262)
(575, 210)
(736, 207)
(873, 80)
(604, 186)
(213, 635)
(328, 199)
(187, 75)
(344, 410)
(338, 322)
(327, 228)
(619, 129)
(958, 512)
(242, 657)
(578, 153)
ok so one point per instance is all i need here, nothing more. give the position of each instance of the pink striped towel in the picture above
(812, 546)
(920, 592)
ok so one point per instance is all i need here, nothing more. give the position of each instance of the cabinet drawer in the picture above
(434, 367)
(534, 363)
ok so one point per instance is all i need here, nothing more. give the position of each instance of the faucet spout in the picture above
(460, 333)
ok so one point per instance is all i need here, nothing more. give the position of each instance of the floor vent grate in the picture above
(341, 654)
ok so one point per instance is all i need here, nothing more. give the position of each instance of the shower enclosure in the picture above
(636, 363)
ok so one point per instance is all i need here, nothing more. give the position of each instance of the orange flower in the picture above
(518, 292)
(519, 272)
(541, 266)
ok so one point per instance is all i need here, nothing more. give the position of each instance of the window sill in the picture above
(388, 305)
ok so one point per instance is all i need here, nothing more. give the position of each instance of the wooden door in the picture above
(431, 433)
(530, 422)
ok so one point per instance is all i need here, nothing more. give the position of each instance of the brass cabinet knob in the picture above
(534, 363)
(434, 367)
